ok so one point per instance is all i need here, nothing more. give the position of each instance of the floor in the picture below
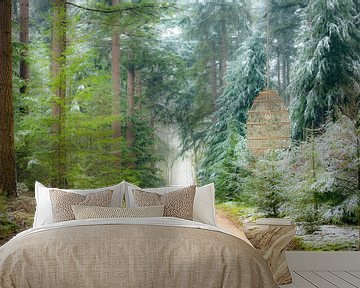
(313, 269)
(324, 269)
(324, 279)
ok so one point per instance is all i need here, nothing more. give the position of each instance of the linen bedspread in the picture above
(131, 253)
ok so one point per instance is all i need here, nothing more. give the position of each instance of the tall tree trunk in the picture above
(15, 10)
(58, 62)
(24, 39)
(152, 127)
(116, 77)
(287, 77)
(131, 102)
(287, 70)
(138, 89)
(221, 75)
(213, 80)
(223, 50)
(283, 72)
(7, 146)
(278, 69)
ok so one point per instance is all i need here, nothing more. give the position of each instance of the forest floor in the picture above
(330, 238)
(323, 238)
(16, 215)
(225, 219)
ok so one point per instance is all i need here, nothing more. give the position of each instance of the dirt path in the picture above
(233, 228)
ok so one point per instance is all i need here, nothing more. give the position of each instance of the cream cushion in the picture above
(43, 212)
(94, 212)
(204, 202)
(177, 204)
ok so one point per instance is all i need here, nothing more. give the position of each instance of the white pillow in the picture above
(43, 212)
(204, 202)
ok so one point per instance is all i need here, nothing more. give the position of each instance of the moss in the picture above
(300, 244)
(7, 228)
(237, 211)
(232, 212)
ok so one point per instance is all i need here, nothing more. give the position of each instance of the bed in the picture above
(131, 252)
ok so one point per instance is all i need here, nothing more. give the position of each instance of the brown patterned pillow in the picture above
(177, 204)
(61, 202)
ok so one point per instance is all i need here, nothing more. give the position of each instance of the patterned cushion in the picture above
(61, 202)
(92, 212)
(177, 203)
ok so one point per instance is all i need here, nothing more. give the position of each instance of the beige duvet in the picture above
(147, 252)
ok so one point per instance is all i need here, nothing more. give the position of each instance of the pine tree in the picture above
(284, 21)
(326, 71)
(232, 167)
(214, 32)
(245, 80)
(265, 188)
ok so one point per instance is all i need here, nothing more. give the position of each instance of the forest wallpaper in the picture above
(89, 83)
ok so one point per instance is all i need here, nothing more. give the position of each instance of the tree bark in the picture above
(283, 72)
(138, 89)
(223, 51)
(288, 77)
(116, 78)
(7, 143)
(24, 40)
(221, 75)
(213, 80)
(287, 70)
(58, 62)
(131, 101)
(278, 69)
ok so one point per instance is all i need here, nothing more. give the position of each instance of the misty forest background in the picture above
(94, 79)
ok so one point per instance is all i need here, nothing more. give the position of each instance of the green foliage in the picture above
(245, 79)
(179, 55)
(284, 21)
(7, 227)
(326, 74)
(143, 156)
(213, 32)
(90, 152)
(315, 183)
(225, 155)
(229, 168)
(323, 175)
(266, 188)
